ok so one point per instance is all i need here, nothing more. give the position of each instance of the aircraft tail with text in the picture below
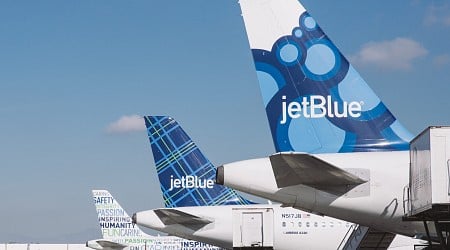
(315, 101)
(117, 228)
(185, 174)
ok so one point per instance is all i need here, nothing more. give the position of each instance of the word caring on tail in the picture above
(317, 106)
(190, 181)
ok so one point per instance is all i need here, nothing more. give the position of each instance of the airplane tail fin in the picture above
(185, 174)
(114, 219)
(315, 100)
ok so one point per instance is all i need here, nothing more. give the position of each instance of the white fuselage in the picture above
(378, 203)
(292, 228)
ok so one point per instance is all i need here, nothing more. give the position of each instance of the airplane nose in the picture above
(133, 218)
(220, 175)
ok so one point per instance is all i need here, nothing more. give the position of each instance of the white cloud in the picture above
(397, 54)
(437, 15)
(126, 124)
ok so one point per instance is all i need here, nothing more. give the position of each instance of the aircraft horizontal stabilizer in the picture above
(298, 168)
(110, 245)
(173, 216)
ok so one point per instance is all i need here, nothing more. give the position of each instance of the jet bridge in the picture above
(427, 197)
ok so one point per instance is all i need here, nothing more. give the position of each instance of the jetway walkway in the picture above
(427, 197)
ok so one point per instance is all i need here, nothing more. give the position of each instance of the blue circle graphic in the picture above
(320, 59)
(310, 23)
(354, 88)
(289, 53)
(297, 32)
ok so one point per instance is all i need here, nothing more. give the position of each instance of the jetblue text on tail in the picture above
(317, 106)
(190, 181)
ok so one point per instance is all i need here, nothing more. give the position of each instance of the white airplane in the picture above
(198, 209)
(120, 233)
(340, 151)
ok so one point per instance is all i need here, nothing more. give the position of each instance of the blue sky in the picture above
(73, 74)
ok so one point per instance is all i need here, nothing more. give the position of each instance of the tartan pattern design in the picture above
(176, 156)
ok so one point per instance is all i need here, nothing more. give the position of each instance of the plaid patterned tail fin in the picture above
(185, 174)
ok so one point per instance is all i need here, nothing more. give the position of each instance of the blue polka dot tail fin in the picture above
(185, 174)
(315, 101)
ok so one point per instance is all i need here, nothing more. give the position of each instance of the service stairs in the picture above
(360, 237)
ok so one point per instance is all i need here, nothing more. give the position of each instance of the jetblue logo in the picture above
(317, 106)
(190, 181)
